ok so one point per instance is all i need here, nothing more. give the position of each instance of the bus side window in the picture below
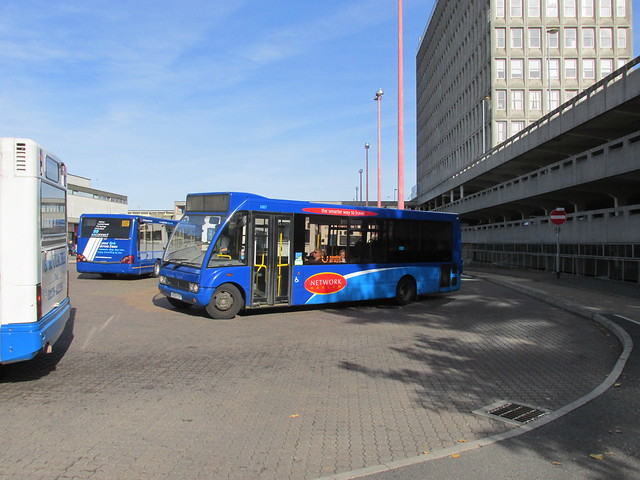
(327, 233)
(144, 244)
(229, 248)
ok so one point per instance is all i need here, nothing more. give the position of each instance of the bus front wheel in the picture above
(156, 268)
(225, 302)
(405, 291)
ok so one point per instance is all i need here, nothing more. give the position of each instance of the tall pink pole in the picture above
(366, 150)
(400, 112)
(378, 99)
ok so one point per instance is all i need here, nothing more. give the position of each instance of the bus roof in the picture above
(208, 202)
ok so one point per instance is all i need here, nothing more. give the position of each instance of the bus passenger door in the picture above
(271, 263)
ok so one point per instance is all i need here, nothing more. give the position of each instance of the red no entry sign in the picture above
(558, 217)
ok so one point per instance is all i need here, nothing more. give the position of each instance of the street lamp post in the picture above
(484, 122)
(366, 175)
(360, 172)
(378, 98)
(550, 31)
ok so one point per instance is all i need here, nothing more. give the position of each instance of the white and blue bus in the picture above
(121, 244)
(34, 275)
(233, 251)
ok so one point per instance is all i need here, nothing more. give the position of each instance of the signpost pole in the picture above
(558, 252)
(558, 217)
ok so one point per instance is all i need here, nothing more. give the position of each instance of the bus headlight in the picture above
(193, 287)
(162, 280)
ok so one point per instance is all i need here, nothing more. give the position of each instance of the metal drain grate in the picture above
(511, 412)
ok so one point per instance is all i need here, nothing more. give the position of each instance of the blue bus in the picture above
(34, 274)
(233, 251)
(121, 244)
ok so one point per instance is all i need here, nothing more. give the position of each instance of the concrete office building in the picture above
(486, 69)
(520, 113)
(84, 198)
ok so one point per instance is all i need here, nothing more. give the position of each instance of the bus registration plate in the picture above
(176, 295)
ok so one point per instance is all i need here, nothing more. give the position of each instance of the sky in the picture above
(155, 99)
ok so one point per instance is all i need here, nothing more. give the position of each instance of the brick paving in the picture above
(138, 390)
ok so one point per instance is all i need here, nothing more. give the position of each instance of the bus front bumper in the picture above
(202, 298)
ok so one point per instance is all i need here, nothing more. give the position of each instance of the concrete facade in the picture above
(83, 198)
(504, 154)
(487, 69)
(175, 214)
(585, 158)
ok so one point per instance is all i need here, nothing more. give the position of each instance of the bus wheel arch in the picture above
(406, 290)
(227, 300)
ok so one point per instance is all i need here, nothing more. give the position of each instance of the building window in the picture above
(554, 68)
(500, 8)
(516, 38)
(606, 67)
(621, 39)
(569, 94)
(516, 8)
(535, 100)
(534, 8)
(570, 38)
(588, 68)
(501, 38)
(552, 39)
(517, 65)
(534, 68)
(606, 38)
(588, 38)
(587, 8)
(571, 68)
(552, 8)
(569, 8)
(621, 8)
(516, 127)
(501, 99)
(534, 37)
(622, 62)
(554, 99)
(502, 131)
(517, 99)
(605, 8)
(501, 68)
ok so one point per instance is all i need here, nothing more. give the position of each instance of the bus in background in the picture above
(34, 275)
(233, 251)
(121, 244)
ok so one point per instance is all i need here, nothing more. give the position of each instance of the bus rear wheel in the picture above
(405, 291)
(225, 302)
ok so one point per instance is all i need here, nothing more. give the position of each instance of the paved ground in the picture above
(136, 389)
(596, 441)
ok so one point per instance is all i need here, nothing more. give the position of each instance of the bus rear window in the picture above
(106, 227)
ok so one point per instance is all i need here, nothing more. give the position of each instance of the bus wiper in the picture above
(174, 260)
(182, 261)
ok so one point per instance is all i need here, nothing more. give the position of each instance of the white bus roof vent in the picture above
(21, 157)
